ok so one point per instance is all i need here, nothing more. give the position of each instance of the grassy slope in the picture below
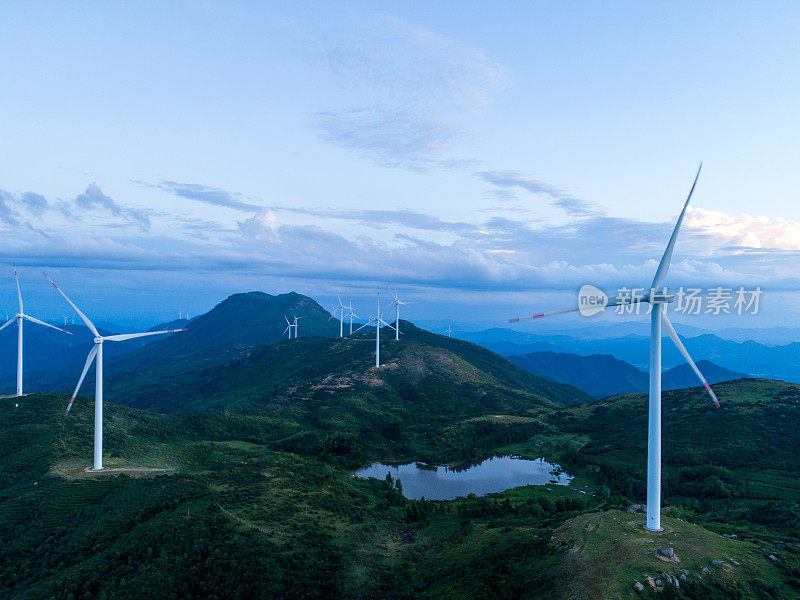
(606, 553)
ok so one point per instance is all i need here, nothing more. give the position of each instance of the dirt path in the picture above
(241, 520)
(129, 469)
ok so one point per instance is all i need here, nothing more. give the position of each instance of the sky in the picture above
(485, 159)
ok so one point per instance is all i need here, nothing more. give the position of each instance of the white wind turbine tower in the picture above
(19, 318)
(396, 302)
(378, 324)
(341, 309)
(97, 352)
(658, 319)
(351, 314)
(449, 330)
(296, 326)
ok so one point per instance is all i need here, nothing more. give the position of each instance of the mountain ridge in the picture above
(603, 375)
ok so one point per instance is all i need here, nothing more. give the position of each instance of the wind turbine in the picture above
(449, 330)
(97, 352)
(340, 308)
(396, 302)
(295, 326)
(378, 324)
(19, 318)
(288, 326)
(351, 314)
(658, 319)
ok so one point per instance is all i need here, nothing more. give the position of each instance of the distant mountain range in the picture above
(602, 375)
(753, 358)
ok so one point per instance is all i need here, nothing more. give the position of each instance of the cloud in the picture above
(409, 90)
(499, 254)
(381, 218)
(509, 180)
(263, 225)
(36, 203)
(207, 194)
(517, 179)
(746, 231)
(94, 198)
(389, 138)
(7, 214)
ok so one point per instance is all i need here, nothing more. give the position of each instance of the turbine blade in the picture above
(19, 294)
(540, 315)
(663, 266)
(89, 359)
(677, 341)
(129, 336)
(367, 324)
(385, 324)
(32, 320)
(7, 323)
(83, 317)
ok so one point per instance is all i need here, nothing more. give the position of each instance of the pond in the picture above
(492, 475)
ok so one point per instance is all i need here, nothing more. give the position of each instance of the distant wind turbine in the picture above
(296, 327)
(19, 318)
(658, 319)
(351, 314)
(289, 326)
(396, 303)
(97, 352)
(449, 331)
(378, 324)
(341, 308)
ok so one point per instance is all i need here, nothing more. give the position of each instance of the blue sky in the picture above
(484, 158)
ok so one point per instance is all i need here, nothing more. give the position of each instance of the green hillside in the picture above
(261, 502)
(331, 387)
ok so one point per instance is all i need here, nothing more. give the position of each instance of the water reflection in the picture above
(491, 475)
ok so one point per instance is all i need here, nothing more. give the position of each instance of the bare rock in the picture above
(638, 586)
(666, 552)
(773, 558)
(636, 508)
(667, 555)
